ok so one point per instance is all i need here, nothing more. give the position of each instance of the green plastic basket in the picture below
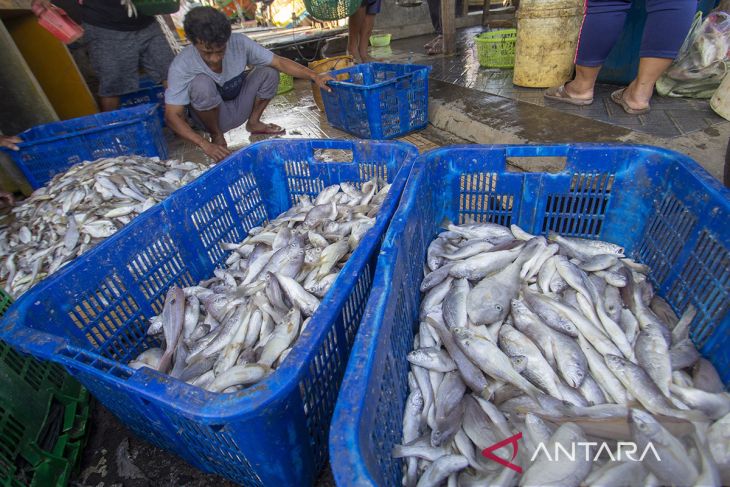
(156, 7)
(331, 9)
(496, 49)
(286, 83)
(43, 418)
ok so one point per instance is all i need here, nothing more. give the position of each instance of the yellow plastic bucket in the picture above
(328, 64)
(547, 36)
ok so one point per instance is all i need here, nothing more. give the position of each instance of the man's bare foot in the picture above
(264, 128)
(219, 139)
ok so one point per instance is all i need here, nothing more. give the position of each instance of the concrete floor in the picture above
(499, 112)
(115, 457)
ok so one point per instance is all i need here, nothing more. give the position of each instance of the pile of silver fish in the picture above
(78, 209)
(232, 330)
(561, 340)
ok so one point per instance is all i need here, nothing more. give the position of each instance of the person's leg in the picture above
(602, 24)
(367, 29)
(157, 54)
(205, 104)
(354, 26)
(434, 11)
(114, 56)
(372, 9)
(258, 89)
(108, 103)
(667, 25)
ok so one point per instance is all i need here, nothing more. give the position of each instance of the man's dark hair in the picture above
(207, 25)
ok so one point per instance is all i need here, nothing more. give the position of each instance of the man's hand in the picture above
(9, 142)
(322, 79)
(38, 6)
(214, 151)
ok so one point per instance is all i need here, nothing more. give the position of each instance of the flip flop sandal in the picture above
(436, 48)
(618, 98)
(433, 41)
(560, 94)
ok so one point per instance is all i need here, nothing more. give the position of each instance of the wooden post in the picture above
(465, 8)
(448, 25)
(485, 12)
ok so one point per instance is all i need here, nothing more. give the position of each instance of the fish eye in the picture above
(498, 307)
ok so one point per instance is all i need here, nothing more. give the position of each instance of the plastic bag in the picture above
(702, 61)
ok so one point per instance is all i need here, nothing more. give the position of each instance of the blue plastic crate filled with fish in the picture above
(518, 317)
(377, 100)
(49, 149)
(218, 323)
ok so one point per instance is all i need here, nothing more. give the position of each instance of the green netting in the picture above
(331, 9)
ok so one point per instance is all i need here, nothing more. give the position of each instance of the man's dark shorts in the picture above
(117, 55)
(372, 7)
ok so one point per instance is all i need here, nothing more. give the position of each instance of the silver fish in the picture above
(673, 467)
(173, 316)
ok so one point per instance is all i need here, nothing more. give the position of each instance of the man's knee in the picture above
(268, 81)
(204, 93)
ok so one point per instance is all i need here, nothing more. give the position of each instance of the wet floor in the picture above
(669, 117)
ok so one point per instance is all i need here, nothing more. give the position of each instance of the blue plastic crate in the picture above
(52, 148)
(148, 92)
(92, 315)
(665, 209)
(378, 101)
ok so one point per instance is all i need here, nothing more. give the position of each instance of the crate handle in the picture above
(541, 159)
(79, 358)
(334, 156)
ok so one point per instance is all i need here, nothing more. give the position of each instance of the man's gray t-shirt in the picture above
(240, 52)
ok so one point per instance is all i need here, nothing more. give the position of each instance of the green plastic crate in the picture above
(156, 7)
(43, 419)
(496, 49)
(286, 83)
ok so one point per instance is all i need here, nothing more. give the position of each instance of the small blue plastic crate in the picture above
(92, 315)
(52, 148)
(378, 101)
(665, 209)
(148, 92)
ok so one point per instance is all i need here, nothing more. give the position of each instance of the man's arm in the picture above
(175, 118)
(298, 71)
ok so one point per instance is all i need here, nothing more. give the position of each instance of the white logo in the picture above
(625, 451)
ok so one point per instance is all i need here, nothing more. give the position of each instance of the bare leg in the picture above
(210, 121)
(354, 26)
(367, 29)
(108, 103)
(255, 124)
(639, 92)
(582, 86)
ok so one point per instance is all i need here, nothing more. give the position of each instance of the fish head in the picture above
(569, 327)
(616, 364)
(643, 425)
(493, 311)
